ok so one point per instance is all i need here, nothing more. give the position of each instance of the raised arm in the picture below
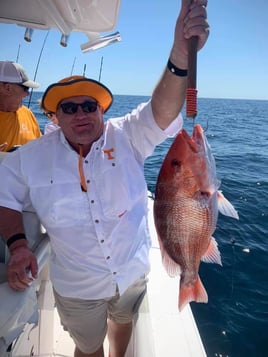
(169, 94)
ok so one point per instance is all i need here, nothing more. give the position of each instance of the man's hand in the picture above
(192, 21)
(22, 263)
(3, 146)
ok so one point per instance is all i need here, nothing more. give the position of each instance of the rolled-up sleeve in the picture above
(13, 189)
(143, 131)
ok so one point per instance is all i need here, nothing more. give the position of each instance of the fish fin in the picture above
(195, 292)
(172, 268)
(212, 254)
(225, 207)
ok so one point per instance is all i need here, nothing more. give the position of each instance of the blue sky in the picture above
(233, 64)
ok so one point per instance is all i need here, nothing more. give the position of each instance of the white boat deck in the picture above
(160, 329)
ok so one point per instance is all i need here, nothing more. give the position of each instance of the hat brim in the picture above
(57, 92)
(31, 84)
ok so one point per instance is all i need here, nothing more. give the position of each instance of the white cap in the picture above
(12, 72)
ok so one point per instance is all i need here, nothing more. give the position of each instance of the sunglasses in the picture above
(71, 108)
(26, 89)
(49, 115)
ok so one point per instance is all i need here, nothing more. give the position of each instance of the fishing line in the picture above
(233, 267)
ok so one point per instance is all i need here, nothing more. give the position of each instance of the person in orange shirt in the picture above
(18, 124)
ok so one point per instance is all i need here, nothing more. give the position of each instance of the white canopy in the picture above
(91, 17)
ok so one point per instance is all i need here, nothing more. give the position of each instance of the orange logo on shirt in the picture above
(109, 153)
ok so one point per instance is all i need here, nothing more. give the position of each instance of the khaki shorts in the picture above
(86, 320)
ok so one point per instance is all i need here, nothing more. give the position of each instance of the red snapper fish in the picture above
(186, 208)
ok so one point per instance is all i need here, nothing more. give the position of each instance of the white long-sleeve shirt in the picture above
(99, 238)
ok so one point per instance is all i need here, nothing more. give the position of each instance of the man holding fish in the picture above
(80, 181)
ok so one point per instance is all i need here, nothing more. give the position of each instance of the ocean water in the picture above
(234, 322)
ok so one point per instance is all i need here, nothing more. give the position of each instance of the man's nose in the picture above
(80, 111)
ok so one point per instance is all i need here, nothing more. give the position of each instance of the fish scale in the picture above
(187, 220)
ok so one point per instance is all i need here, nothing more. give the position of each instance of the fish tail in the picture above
(195, 292)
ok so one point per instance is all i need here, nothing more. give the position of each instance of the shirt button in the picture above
(92, 201)
(97, 221)
(88, 181)
(108, 257)
(86, 161)
(114, 273)
(102, 241)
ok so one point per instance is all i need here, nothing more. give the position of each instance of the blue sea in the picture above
(234, 322)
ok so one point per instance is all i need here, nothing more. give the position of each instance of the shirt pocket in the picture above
(120, 186)
(60, 205)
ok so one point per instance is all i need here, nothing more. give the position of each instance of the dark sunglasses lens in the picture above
(89, 107)
(26, 89)
(71, 108)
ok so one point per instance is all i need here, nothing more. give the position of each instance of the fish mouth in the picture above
(196, 142)
(200, 140)
(198, 134)
(191, 142)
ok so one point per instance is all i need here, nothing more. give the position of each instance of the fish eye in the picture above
(205, 194)
(175, 162)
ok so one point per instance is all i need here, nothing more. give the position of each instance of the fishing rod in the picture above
(100, 68)
(37, 66)
(18, 54)
(191, 91)
(84, 71)
(73, 66)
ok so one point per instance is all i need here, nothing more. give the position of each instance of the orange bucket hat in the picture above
(75, 86)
